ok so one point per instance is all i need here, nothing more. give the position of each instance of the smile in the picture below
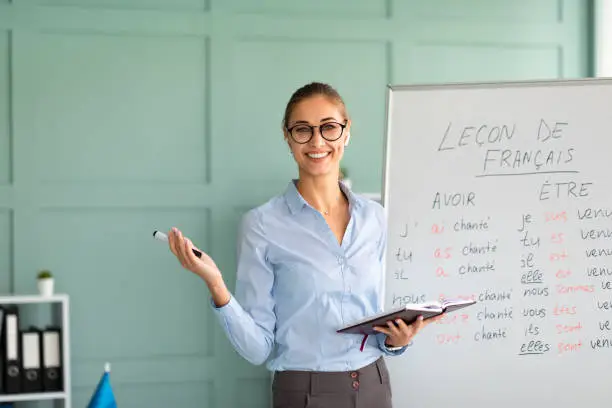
(317, 155)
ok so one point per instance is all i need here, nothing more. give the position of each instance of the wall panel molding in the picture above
(118, 117)
(158, 5)
(6, 251)
(6, 126)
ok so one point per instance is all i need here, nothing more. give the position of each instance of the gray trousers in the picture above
(367, 387)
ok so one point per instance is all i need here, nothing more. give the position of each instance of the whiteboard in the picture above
(502, 192)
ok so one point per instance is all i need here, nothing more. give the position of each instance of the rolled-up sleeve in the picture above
(248, 319)
(381, 337)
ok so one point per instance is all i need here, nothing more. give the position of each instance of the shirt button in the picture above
(355, 385)
(353, 375)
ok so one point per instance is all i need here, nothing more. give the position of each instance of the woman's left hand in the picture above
(400, 334)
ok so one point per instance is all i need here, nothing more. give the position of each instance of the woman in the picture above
(310, 261)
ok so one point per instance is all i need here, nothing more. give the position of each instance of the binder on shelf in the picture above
(52, 359)
(10, 351)
(31, 350)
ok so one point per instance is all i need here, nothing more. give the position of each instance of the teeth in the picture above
(317, 155)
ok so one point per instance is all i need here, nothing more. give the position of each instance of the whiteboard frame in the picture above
(603, 38)
(384, 196)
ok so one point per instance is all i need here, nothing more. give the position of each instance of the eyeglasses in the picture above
(330, 131)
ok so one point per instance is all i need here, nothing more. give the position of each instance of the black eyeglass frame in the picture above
(312, 128)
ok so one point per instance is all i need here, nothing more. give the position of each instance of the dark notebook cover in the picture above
(408, 314)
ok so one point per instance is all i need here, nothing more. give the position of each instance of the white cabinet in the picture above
(59, 307)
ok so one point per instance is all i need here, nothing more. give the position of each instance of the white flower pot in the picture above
(45, 286)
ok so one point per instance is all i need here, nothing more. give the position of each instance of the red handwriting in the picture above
(573, 289)
(440, 273)
(549, 217)
(437, 229)
(558, 256)
(563, 273)
(557, 238)
(438, 253)
(463, 297)
(455, 318)
(561, 310)
(564, 328)
(568, 347)
(448, 338)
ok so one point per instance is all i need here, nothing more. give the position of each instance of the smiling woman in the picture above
(310, 260)
(317, 129)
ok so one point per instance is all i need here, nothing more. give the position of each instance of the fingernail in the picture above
(420, 317)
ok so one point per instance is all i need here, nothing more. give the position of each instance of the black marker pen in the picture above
(163, 237)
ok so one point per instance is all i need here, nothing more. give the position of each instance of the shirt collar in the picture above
(296, 202)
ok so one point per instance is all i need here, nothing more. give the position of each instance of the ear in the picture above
(348, 136)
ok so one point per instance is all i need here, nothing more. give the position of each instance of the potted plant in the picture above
(45, 283)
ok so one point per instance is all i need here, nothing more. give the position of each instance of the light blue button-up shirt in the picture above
(296, 285)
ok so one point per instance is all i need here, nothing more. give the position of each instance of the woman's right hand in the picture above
(204, 267)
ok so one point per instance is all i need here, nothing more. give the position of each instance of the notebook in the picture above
(408, 313)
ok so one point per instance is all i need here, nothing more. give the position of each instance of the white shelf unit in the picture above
(60, 301)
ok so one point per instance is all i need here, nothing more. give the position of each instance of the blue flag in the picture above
(103, 396)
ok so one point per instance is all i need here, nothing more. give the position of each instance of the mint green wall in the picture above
(118, 117)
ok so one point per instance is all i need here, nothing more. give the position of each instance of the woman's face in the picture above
(322, 119)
